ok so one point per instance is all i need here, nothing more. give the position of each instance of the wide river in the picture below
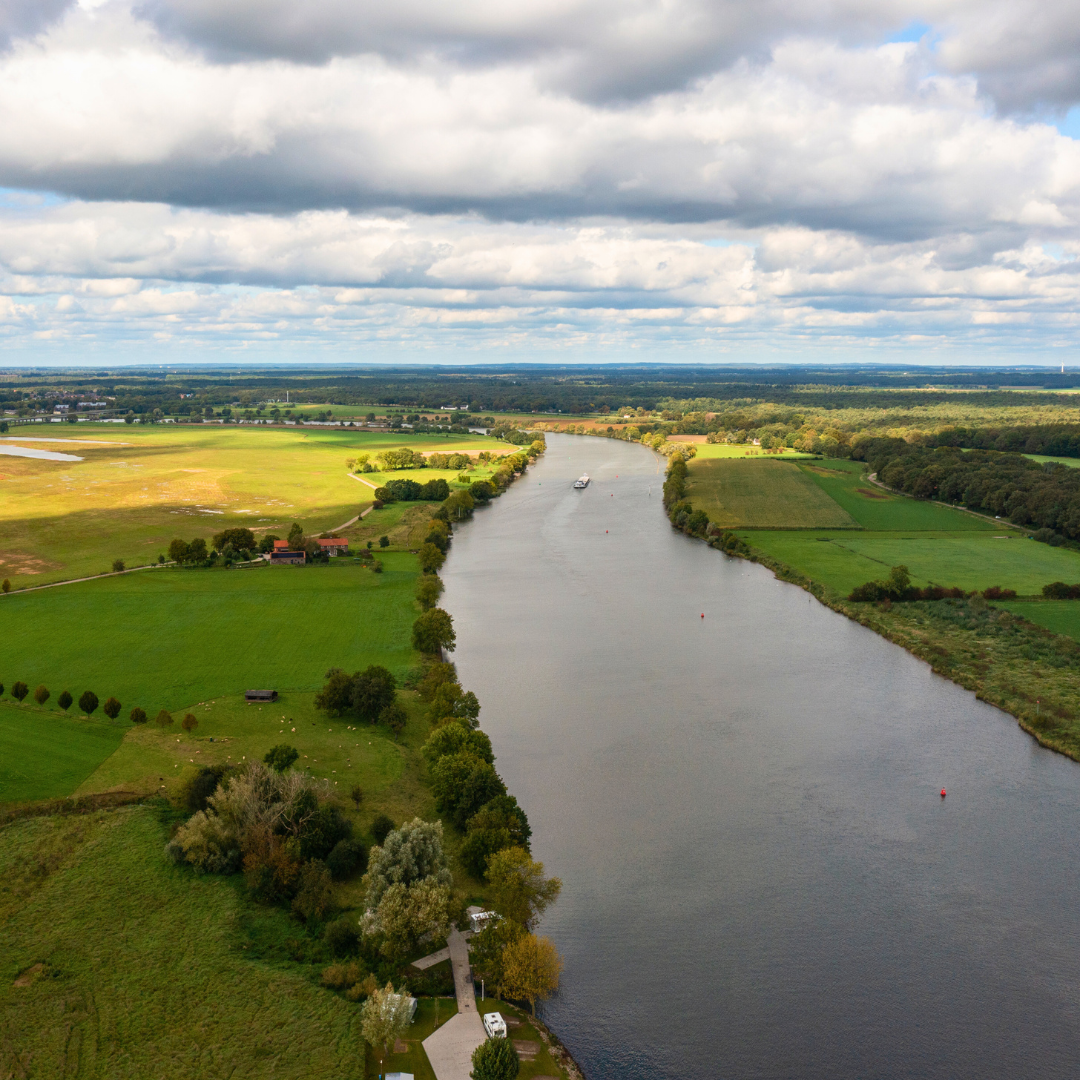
(761, 878)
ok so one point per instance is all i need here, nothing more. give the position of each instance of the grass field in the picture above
(140, 486)
(1059, 616)
(844, 560)
(148, 969)
(876, 509)
(44, 756)
(170, 638)
(762, 494)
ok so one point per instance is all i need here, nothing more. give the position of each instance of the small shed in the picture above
(260, 695)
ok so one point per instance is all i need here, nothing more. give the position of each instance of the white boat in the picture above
(582, 481)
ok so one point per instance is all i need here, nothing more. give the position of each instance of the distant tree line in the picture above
(1044, 497)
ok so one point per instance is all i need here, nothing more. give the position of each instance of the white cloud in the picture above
(553, 173)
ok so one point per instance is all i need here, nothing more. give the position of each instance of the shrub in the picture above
(348, 857)
(118, 566)
(111, 708)
(19, 690)
(280, 757)
(319, 831)
(7, 585)
(189, 723)
(495, 1059)
(271, 864)
(41, 694)
(315, 900)
(1056, 590)
(163, 719)
(88, 702)
(340, 976)
(996, 592)
(381, 828)
(137, 715)
(357, 795)
(394, 717)
(197, 791)
(64, 700)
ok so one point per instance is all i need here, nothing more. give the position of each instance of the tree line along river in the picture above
(761, 877)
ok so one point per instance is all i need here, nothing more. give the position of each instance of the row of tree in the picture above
(89, 702)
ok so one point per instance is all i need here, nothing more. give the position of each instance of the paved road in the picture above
(451, 1047)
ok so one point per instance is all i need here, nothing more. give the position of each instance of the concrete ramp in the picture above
(450, 1049)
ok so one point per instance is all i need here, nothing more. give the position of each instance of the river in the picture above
(761, 878)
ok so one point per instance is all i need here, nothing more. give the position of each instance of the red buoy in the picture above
(943, 793)
(703, 614)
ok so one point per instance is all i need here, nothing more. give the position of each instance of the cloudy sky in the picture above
(487, 180)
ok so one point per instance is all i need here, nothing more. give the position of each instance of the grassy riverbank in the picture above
(1022, 656)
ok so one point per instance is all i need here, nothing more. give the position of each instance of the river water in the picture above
(761, 878)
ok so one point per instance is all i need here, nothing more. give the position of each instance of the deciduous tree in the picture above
(519, 887)
(163, 719)
(111, 708)
(137, 715)
(433, 630)
(64, 700)
(41, 694)
(118, 565)
(431, 558)
(384, 1018)
(429, 588)
(88, 702)
(531, 968)
(189, 722)
(19, 690)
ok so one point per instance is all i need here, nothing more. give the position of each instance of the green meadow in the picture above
(45, 756)
(169, 638)
(776, 506)
(115, 964)
(1058, 616)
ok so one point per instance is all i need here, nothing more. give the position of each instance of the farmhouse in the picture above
(260, 695)
(336, 545)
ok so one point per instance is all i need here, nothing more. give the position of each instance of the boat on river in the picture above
(582, 481)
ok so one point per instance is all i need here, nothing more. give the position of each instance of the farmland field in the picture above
(1060, 616)
(138, 487)
(762, 494)
(169, 638)
(874, 508)
(45, 755)
(147, 969)
(844, 560)
(710, 451)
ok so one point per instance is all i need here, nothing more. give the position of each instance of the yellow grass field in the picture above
(138, 487)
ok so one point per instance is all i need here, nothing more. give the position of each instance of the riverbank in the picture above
(1027, 671)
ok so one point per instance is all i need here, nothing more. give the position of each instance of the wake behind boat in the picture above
(582, 481)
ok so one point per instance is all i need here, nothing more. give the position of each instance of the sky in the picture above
(566, 180)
